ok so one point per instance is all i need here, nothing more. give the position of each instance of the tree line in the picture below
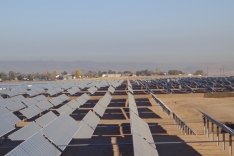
(51, 76)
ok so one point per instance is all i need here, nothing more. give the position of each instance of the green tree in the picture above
(12, 75)
(64, 73)
(78, 73)
(3, 76)
(199, 72)
(175, 72)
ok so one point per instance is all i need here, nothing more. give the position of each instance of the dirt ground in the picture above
(187, 106)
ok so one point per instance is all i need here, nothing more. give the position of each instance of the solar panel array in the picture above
(49, 134)
(143, 141)
(190, 85)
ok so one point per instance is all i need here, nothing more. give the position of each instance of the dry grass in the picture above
(187, 105)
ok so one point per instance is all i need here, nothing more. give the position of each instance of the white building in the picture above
(111, 75)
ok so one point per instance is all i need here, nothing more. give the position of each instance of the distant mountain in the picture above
(43, 66)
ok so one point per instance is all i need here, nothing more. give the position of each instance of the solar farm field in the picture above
(116, 117)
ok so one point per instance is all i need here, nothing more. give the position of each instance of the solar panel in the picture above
(102, 104)
(130, 89)
(44, 120)
(35, 91)
(73, 104)
(142, 148)
(105, 100)
(56, 101)
(17, 98)
(111, 89)
(83, 99)
(61, 130)
(29, 101)
(25, 132)
(132, 103)
(73, 90)
(15, 106)
(54, 91)
(44, 105)
(5, 128)
(3, 111)
(84, 132)
(7, 122)
(63, 97)
(139, 126)
(91, 119)
(13, 93)
(36, 145)
(92, 90)
(31, 111)
(86, 96)
(40, 98)
(99, 109)
(64, 110)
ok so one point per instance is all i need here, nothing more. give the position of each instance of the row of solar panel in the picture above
(28, 133)
(202, 84)
(48, 126)
(143, 141)
(56, 88)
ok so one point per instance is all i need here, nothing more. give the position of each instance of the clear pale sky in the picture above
(120, 31)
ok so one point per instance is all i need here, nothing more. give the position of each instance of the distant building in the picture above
(68, 77)
(65, 77)
(111, 75)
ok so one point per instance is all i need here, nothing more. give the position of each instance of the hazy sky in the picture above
(122, 30)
